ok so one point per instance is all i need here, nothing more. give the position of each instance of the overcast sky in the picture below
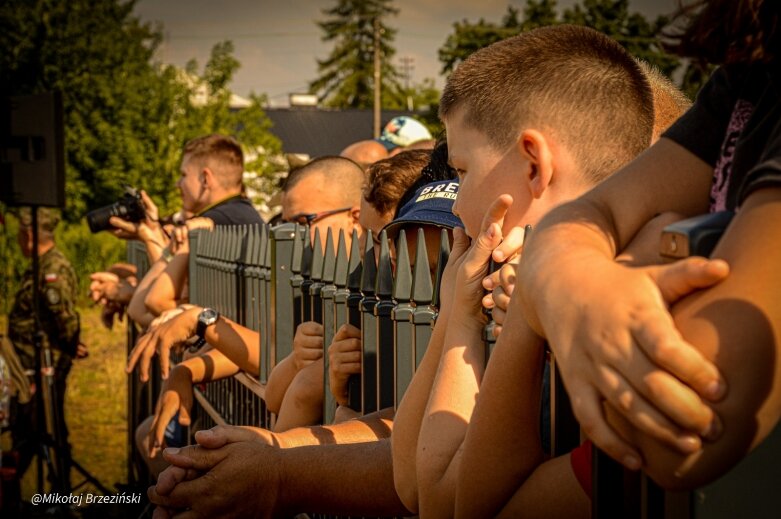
(277, 42)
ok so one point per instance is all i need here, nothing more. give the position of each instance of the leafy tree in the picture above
(467, 37)
(126, 118)
(347, 75)
(636, 34)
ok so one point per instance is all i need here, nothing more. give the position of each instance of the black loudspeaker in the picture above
(32, 156)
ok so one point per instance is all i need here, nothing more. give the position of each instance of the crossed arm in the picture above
(661, 376)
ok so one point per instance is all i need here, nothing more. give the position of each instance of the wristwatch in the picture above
(206, 318)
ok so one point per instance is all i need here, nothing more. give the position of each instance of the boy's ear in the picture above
(535, 148)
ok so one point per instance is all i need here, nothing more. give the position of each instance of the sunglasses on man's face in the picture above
(310, 218)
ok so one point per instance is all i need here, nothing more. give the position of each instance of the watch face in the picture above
(209, 314)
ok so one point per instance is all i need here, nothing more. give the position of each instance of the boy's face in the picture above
(190, 185)
(484, 174)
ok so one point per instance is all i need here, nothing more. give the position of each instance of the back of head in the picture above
(389, 179)
(220, 153)
(436, 170)
(669, 102)
(365, 152)
(344, 175)
(571, 81)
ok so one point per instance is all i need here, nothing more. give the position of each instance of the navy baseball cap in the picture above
(432, 204)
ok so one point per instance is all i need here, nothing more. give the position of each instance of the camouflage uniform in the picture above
(57, 291)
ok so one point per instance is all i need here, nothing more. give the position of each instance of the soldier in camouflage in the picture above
(57, 291)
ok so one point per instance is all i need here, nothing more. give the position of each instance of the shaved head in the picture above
(339, 173)
(365, 153)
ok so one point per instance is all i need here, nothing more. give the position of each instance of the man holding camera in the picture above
(59, 322)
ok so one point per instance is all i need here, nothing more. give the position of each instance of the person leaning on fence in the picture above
(57, 291)
(513, 130)
(210, 185)
(686, 392)
(326, 195)
(509, 442)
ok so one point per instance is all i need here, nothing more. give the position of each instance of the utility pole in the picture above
(377, 77)
(407, 66)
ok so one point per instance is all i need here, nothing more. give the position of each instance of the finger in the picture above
(491, 280)
(194, 457)
(136, 352)
(460, 244)
(681, 278)
(349, 368)
(507, 277)
(161, 513)
(587, 407)
(512, 243)
(172, 476)
(497, 330)
(184, 415)
(157, 431)
(501, 300)
(145, 361)
(179, 497)
(221, 435)
(664, 346)
(488, 302)
(123, 225)
(496, 212)
(163, 353)
(348, 357)
(645, 417)
(312, 328)
(498, 315)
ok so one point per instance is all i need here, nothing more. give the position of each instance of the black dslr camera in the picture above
(129, 207)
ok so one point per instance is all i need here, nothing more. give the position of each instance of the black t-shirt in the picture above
(236, 210)
(735, 125)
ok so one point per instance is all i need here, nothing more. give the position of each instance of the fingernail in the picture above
(631, 462)
(714, 429)
(487, 283)
(689, 443)
(172, 450)
(715, 390)
(499, 255)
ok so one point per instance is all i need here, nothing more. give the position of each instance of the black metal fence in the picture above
(271, 279)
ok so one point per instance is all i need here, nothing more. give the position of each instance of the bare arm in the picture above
(736, 325)
(604, 350)
(137, 310)
(166, 290)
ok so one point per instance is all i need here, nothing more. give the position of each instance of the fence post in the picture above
(306, 273)
(354, 275)
(281, 252)
(368, 329)
(316, 287)
(265, 304)
(403, 331)
(328, 294)
(386, 394)
(295, 267)
(422, 295)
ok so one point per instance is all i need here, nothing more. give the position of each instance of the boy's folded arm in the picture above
(407, 421)
(737, 325)
(502, 446)
(447, 415)
(238, 343)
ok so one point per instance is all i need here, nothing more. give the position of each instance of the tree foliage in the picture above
(126, 117)
(346, 77)
(611, 17)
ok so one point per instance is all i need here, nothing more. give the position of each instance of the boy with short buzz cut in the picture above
(532, 122)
